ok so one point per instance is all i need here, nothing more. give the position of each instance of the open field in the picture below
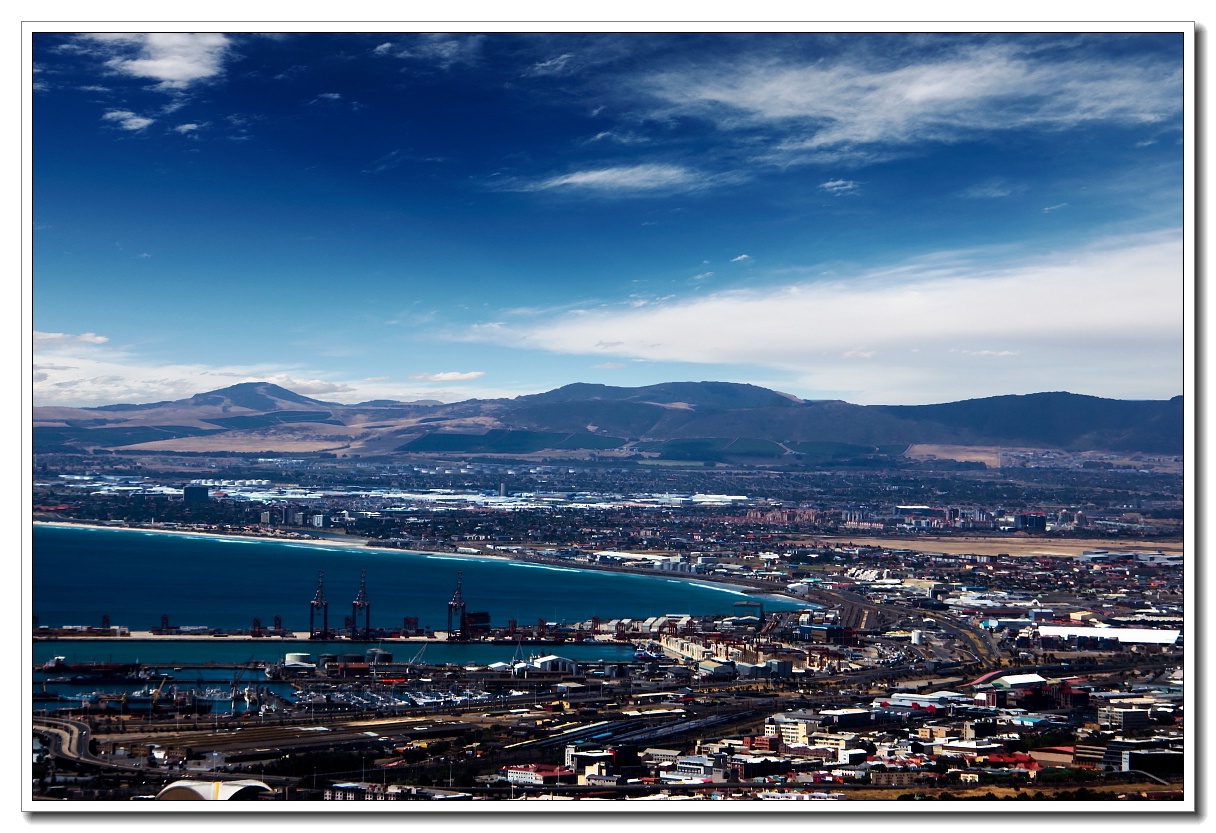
(989, 456)
(996, 457)
(984, 545)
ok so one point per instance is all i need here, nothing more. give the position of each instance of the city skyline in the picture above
(884, 218)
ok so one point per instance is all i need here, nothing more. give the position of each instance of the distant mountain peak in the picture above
(709, 395)
(723, 420)
(255, 396)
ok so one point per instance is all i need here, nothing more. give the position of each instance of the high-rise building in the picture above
(196, 494)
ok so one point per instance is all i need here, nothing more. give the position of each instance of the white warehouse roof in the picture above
(1152, 636)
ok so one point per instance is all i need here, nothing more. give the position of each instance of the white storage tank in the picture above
(298, 659)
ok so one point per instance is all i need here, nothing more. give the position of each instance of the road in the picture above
(864, 611)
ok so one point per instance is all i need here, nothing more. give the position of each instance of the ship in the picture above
(153, 700)
(215, 695)
(651, 653)
(90, 669)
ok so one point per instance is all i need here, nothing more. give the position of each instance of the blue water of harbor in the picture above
(187, 661)
(135, 577)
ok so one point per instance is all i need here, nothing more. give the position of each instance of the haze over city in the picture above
(878, 218)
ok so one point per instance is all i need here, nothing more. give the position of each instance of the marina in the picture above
(302, 684)
(200, 677)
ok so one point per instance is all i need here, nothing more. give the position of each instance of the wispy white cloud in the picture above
(620, 137)
(47, 340)
(845, 108)
(740, 258)
(449, 376)
(306, 386)
(620, 179)
(554, 66)
(1100, 312)
(85, 370)
(991, 189)
(1056, 207)
(388, 161)
(176, 60)
(127, 120)
(397, 158)
(184, 129)
(442, 50)
(836, 187)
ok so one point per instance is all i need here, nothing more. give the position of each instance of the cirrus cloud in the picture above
(845, 107)
(836, 187)
(618, 179)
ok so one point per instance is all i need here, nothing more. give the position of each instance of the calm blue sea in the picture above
(136, 577)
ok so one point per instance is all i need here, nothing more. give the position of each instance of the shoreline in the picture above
(335, 543)
(361, 544)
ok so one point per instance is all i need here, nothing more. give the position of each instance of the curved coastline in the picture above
(364, 544)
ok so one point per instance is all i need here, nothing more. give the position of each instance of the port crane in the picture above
(361, 603)
(456, 610)
(318, 603)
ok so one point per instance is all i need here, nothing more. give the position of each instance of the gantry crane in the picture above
(456, 610)
(361, 603)
(318, 603)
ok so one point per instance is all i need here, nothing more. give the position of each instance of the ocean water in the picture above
(135, 577)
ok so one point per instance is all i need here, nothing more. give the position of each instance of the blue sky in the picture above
(879, 218)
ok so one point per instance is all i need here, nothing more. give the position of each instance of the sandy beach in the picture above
(337, 542)
(356, 543)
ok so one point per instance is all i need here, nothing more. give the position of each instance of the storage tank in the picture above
(918, 637)
(378, 656)
(297, 659)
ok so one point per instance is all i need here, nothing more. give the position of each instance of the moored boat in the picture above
(112, 669)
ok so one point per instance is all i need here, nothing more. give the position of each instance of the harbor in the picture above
(165, 584)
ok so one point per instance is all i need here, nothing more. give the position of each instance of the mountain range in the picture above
(705, 421)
